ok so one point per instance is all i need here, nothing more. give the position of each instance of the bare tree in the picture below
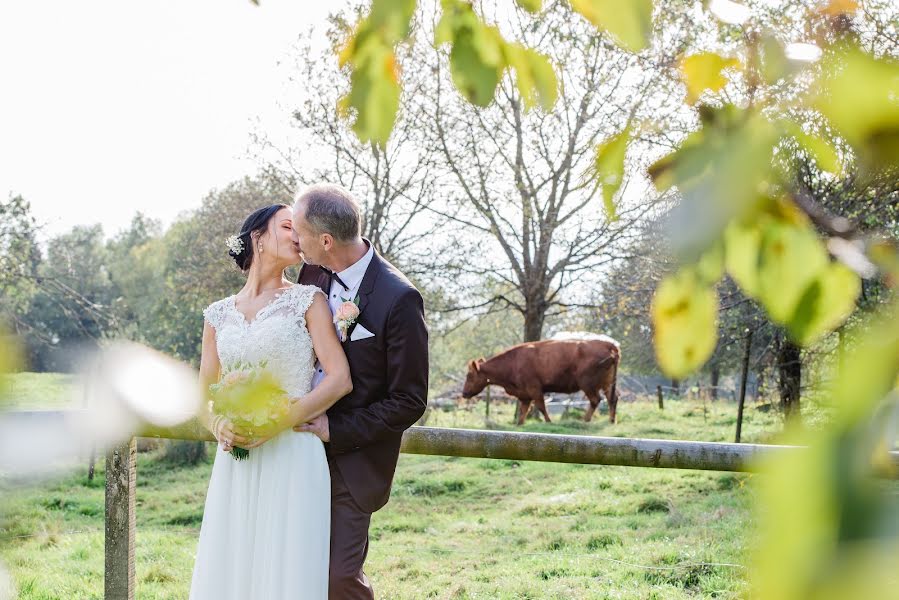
(394, 184)
(523, 181)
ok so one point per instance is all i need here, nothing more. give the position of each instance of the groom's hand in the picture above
(318, 426)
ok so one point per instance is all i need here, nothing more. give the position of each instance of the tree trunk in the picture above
(533, 323)
(789, 369)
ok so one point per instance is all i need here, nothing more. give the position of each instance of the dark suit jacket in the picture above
(390, 381)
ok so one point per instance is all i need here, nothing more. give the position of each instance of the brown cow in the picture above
(529, 370)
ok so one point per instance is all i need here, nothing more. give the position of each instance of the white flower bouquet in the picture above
(251, 398)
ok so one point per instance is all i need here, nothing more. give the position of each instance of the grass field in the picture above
(454, 528)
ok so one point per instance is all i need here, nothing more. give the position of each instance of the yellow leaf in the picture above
(609, 167)
(701, 72)
(684, 314)
(629, 22)
(535, 77)
(790, 258)
(742, 242)
(840, 7)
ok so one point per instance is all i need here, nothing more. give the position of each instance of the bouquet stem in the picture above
(240, 453)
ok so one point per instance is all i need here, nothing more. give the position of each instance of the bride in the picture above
(266, 524)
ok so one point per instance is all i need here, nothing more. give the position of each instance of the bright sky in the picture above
(112, 107)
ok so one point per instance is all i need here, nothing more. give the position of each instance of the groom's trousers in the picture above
(349, 543)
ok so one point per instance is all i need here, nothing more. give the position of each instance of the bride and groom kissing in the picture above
(349, 346)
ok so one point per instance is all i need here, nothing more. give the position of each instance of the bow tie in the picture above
(335, 277)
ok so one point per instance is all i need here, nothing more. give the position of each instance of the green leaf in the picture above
(374, 79)
(859, 94)
(609, 167)
(701, 72)
(472, 75)
(791, 257)
(719, 171)
(843, 542)
(684, 314)
(478, 56)
(535, 77)
(392, 18)
(629, 22)
(826, 304)
(532, 6)
(374, 93)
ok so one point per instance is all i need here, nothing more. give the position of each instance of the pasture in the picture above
(454, 528)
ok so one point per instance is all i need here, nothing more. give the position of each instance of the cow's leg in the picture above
(541, 405)
(613, 405)
(593, 397)
(524, 407)
(611, 394)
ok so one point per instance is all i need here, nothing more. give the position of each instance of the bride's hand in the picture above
(227, 435)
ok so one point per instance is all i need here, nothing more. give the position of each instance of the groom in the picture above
(387, 349)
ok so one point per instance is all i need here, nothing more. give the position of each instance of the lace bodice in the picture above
(278, 335)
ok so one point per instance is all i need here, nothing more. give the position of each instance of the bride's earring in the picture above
(260, 248)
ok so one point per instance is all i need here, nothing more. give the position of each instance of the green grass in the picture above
(455, 527)
(38, 391)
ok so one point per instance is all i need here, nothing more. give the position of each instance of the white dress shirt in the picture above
(352, 277)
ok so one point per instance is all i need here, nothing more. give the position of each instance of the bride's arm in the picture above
(210, 370)
(336, 383)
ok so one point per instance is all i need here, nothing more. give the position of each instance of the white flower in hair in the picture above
(235, 244)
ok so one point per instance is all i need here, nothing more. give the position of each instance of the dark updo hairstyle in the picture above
(257, 222)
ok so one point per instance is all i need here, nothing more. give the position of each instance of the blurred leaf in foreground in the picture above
(609, 168)
(628, 22)
(859, 94)
(375, 79)
(830, 528)
(534, 76)
(720, 170)
(684, 315)
(11, 361)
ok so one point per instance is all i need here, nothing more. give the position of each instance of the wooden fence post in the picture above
(742, 400)
(659, 393)
(487, 414)
(121, 480)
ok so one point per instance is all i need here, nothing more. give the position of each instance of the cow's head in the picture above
(476, 380)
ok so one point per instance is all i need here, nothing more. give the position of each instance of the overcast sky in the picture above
(111, 107)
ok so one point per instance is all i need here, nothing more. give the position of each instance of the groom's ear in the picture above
(327, 241)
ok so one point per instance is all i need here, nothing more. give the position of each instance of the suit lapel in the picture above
(314, 275)
(366, 287)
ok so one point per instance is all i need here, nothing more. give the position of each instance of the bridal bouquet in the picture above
(252, 399)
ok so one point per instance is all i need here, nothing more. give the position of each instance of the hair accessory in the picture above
(235, 245)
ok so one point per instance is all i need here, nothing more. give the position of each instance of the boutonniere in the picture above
(346, 315)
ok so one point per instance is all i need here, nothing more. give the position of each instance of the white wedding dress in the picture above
(266, 526)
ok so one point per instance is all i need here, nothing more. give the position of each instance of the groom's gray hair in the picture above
(332, 209)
